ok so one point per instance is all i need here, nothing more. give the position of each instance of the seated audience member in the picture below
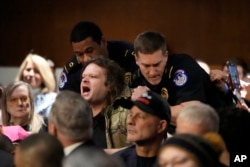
(201, 119)
(234, 126)
(39, 150)
(176, 77)
(187, 150)
(91, 157)
(36, 71)
(102, 86)
(70, 120)
(18, 108)
(197, 119)
(147, 127)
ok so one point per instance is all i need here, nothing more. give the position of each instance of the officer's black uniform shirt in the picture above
(184, 80)
(119, 51)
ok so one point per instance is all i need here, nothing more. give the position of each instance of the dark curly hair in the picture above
(114, 73)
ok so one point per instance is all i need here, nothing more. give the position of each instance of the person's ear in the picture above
(52, 128)
(104, 42)
(166, 53)
(162, 126)
(136, 59)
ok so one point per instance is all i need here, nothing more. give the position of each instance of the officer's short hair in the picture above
(149, 42)
(85, 29)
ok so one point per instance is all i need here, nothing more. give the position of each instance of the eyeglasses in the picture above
(23, 99)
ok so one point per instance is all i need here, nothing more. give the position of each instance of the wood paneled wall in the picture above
(211, 30)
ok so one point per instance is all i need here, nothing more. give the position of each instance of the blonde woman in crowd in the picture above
(18, 108)
(36, 71)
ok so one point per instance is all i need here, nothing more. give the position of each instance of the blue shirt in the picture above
(43, 103)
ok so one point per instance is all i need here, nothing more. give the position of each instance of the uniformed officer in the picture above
(87, 42)
(178, 77)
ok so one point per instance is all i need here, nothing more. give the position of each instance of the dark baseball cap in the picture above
(152, 103)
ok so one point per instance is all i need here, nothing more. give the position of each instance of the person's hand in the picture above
(219, 78)
(243, 106)
(137, 92)
(248, 93)
(218, 75)
(245, 91)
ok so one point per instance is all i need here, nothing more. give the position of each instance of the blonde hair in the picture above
(49, 83)
(219, 145)
(216, 141)
(35, 121)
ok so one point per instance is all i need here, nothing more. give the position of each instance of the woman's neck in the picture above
(18, 121)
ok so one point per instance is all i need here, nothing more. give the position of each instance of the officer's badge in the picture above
(164, 93)
(62, 80)
(127, 78)
(180, 78)
(71, 64)
(134, 76)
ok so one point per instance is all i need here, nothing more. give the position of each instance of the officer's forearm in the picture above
(175, 110)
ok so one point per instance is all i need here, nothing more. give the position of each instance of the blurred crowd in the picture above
(122, 104)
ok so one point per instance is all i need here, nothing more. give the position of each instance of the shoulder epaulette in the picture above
(129, 53)
(168, 72)
(72, 64)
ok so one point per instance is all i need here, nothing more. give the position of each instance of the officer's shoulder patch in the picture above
(63, 80)
(180, 78)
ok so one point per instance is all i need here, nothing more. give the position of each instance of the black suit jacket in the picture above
(6, 159)
(87, 144)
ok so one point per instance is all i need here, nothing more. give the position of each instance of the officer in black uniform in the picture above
(183, 80)
(87, 41)
(178, 77)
